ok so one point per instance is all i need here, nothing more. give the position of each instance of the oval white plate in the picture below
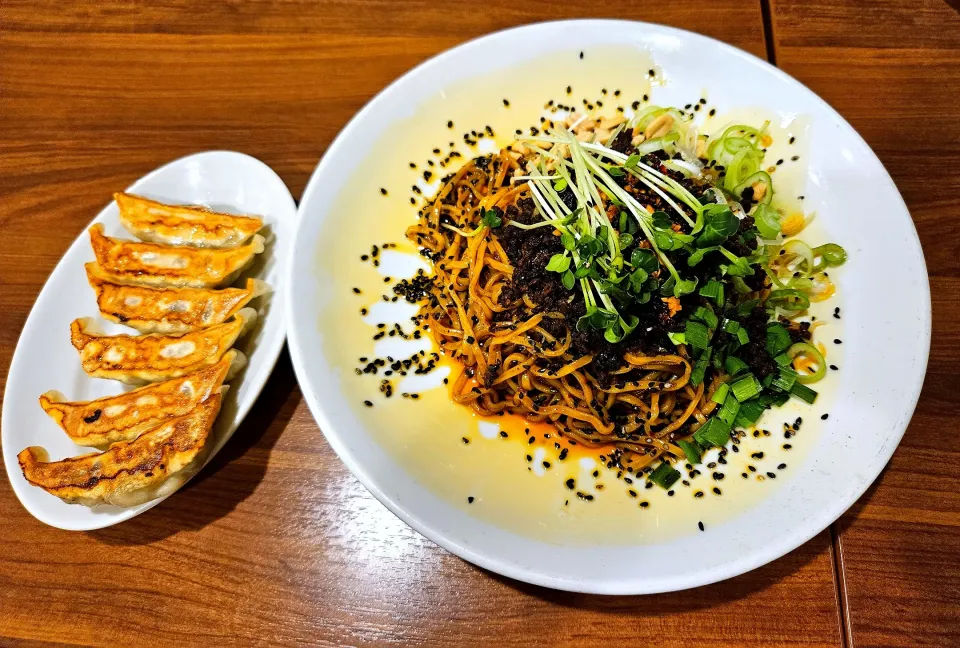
(45, 359)
(858, 204)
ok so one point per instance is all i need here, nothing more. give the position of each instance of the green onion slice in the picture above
(692, 450)
(803, 392)
(802, 348)
(664, 476)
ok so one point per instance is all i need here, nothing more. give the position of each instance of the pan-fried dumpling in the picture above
(151, 221)
(151, 358)
(168, 310)
(126, 416)
(152, 264)
(130, 472)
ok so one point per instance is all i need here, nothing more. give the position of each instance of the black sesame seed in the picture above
(368, 403)
(581, 56)
(503, 434)
(470, 500)
(356, 291)
(700, 525)
(824, 417)
(570, 483)
(781, 466)
(834, 367)
(383, 191)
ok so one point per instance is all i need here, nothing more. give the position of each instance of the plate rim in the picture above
(749, 562)
(273, 355)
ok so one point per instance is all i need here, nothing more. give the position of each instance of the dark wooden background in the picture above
(276, 542)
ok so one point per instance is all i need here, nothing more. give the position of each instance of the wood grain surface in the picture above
(893, 70)
(275, 542)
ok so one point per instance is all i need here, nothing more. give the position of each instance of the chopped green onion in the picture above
(664, 476)
(705, 315)
(747, 307)
(749, 413)
(700, 368)
(692, 450)
(742, 336)
(738, 283)
(810, 350)
(778, 339)
(721, 393)
(788, 299)
(713, 289)
(767, 220)
(775, 399)
(735, 365)
(727, 413)
(785, 379)
(677, 338)
(746, 387)
(832, 254)
(763, 178)
(803, 392)
(714, 433)
(697, 335)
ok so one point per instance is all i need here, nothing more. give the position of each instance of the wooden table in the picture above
(276, 542)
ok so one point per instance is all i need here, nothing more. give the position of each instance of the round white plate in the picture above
(44, 358)
(886, 320)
